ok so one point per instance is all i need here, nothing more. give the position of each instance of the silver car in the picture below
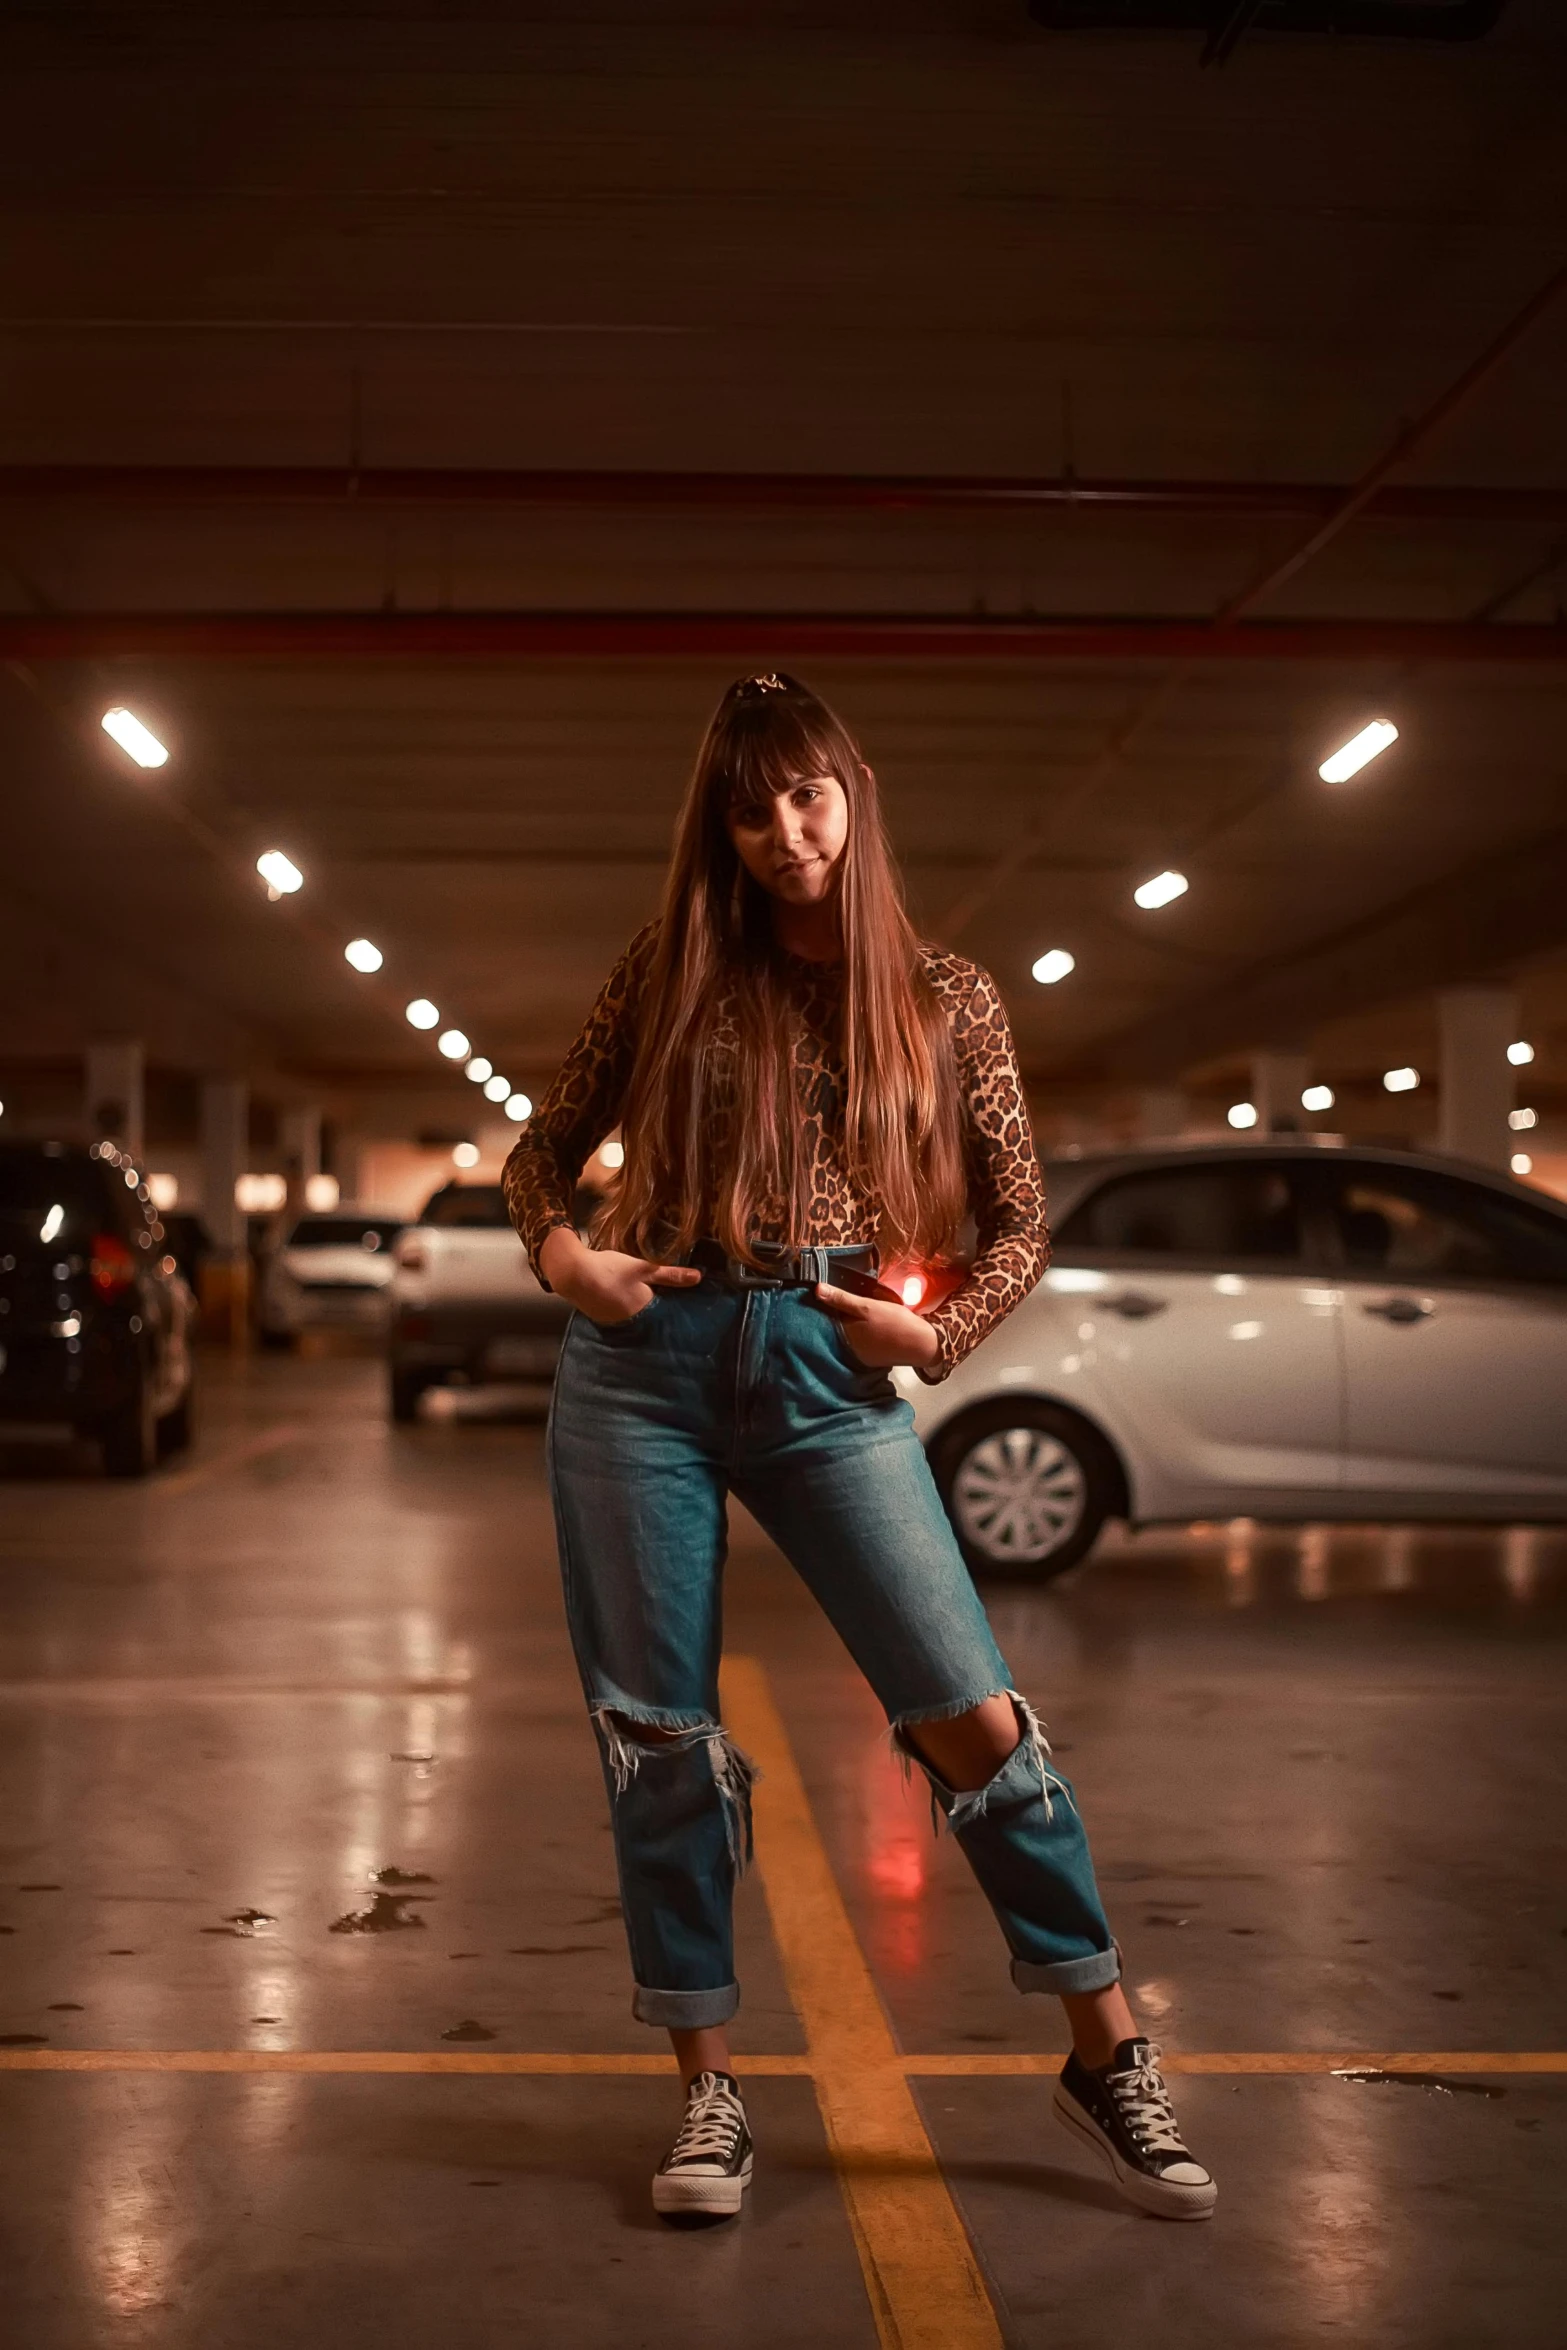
(331, 1271)
(1285, 1331)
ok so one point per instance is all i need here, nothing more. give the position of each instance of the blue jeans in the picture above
(654, 1421)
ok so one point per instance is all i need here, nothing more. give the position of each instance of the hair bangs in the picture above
(769, 741)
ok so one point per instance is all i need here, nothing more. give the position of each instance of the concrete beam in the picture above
(1479, 920)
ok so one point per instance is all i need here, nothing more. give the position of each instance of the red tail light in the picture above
(113, 1266)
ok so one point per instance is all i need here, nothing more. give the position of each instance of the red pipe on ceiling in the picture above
(746, 492)
(760, 637)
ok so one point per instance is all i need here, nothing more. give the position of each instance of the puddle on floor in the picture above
(388, 1914)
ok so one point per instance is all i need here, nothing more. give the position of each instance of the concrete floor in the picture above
(1324, 1774)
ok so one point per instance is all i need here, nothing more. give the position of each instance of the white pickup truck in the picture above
(465, 1306)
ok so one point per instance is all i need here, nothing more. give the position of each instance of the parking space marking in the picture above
(924, 2282)
(234, 1456)
(1027, 2065)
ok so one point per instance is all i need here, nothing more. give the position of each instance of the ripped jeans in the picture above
(653, 1422)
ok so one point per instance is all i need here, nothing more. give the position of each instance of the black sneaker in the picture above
(708, 2168)
(1122, 2110)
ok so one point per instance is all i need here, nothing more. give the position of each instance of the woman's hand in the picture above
(604, 1283)
(881, 1334)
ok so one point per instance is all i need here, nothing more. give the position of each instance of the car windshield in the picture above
(367, 1232)
(53, 1190)
(479, 1207)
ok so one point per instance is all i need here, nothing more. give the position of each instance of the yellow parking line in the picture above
(235, 1456)
(1024, 2066)
(1271, 2060)
(925, 2286)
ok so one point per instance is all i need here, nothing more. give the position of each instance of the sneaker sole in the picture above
(1165, 2202)
(676, 2193)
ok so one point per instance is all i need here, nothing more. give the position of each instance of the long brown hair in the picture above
(719, 1030)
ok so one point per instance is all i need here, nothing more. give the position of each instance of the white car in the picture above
(329, 1272)
(1285, 1331)
(466, 1306)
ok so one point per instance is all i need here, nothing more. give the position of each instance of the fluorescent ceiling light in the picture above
(1521, 1120)
(364, 954)
(281, 875)
(496, 1088)
(421, 1013)
(1161, 891)
(479, 1068)
(49, 1229)
(1359, 751)
(1521, 1163)
(1242, 1114)
(1401, 1080)
(1317, 1097)
(465, 1154)
(454, 1045)
(1520, 1054)
(138, 741)
(612, 1154)
(518, 1107)
(1049, 968)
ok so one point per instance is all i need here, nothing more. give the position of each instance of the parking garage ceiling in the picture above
(419, 420)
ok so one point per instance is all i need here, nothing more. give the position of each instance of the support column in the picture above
(225, 1278)
(114, 1086)
(1477, 1026)
(1278, 1079)
(300, 1133)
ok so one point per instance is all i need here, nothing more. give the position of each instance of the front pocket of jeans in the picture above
(628, 1332)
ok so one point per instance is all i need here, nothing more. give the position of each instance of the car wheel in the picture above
(177, 1429)
(1027, 1486)
(406, 1389)
(130, 1438)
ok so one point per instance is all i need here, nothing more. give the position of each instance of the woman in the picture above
(804, 1090)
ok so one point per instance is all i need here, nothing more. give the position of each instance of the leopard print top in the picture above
(1006, 1195)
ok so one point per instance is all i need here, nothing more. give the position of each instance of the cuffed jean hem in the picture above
(1095, 1973)
(686, 2011)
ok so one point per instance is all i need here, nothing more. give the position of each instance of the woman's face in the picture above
(791, 843)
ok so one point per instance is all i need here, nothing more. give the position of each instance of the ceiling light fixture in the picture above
(1521, 1163)
(612, 1154)
(1052, 966)
(1400, 1080)
(1359, 751)
(1317, 1097)
(496, 1088)
(363, 954)
(479, 1068)
(1520, 1054)
(421, 1013)
(1242, 1114)
(1162, 890)
(281, 875)
(453, 1045)
(518, 1108)
(1521, 1120)
(465, 1154)
(137, 741)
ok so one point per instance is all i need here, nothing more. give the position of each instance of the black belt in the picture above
(780, 1268)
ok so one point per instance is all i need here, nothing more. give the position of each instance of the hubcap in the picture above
(1019, 1496)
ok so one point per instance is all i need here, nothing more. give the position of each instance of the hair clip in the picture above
(771, 683)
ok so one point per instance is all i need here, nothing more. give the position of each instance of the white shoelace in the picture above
(714, 2119)
(1144, 2104)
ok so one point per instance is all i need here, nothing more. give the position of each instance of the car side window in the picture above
(1216, 1215)
(1421, 1227)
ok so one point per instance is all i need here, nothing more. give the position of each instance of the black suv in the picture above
(96, 1323)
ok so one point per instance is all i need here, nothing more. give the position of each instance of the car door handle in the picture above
(1400, 1309)
(1134, 1305)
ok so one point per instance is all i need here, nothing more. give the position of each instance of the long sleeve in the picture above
(540, 1176)
(1006, 1190)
